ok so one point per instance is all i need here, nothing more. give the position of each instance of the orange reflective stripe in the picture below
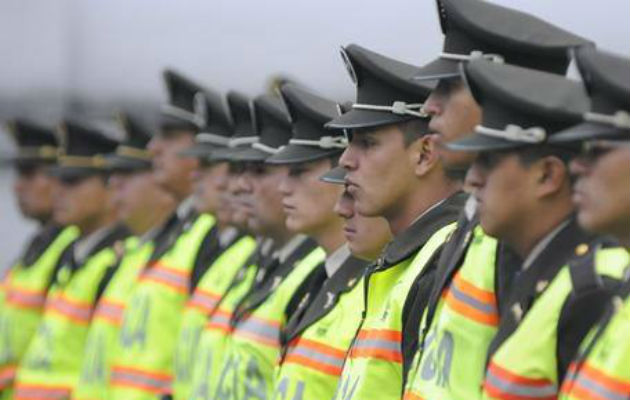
(262, 330)
(383, 344)
(41, 392)
(170, 277)
(317, 356)
(592, 383)
(77, 311)
(220, 320)
(109, 311)
(204, 300)
(144, 380)
(7, 376)
(472, 302)
(503, 384)
(25, 298)
(412, 396)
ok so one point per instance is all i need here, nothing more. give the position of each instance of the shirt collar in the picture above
(227, 235)
(185, 207)
(285, 251)
(543, 243)
(86, 244)
(336, 259)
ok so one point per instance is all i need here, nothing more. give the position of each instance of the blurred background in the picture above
(90, 57)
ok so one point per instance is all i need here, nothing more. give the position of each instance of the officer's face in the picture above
(602, 192)
(380, 168)
(502, 186)
(210, 181)
(454, 115)
(366, 236)
(264, 198)
(84, 202)
(307, 201)
(34, 191)
(135, 197)
(233, 198)
(171, 171)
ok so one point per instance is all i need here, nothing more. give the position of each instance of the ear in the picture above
(552, 175)
(424, 155)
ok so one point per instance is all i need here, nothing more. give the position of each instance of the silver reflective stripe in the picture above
(259, 328)
(543, 391)
(317, 356)
(141, 379)
(464, 298)
(167, 275)
(596, 387)
(389, 345)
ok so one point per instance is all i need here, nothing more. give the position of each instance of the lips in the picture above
(288, 208)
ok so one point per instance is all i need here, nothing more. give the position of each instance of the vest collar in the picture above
(415, 236)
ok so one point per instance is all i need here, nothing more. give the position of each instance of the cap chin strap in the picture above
(620, 119)
(325, 142)
(133, 152)
(236, 142)
(515, 133)
(266, 149)
(212, 138)
(397, 107)
(186, 115)
(46, 152)
(474, 55)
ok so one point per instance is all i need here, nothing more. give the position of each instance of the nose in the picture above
(434, 104)
(348, 159)
(475, 177)
(155, 145)
(285, 185)
(343, 206)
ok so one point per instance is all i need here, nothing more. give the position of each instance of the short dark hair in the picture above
(530, 154)
(412, 130)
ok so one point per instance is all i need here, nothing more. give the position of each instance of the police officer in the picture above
(601, 195)
(234, 245)
(142, 206)
(25, 286)
(278, 250)
(522, 185)
(51, 365)
(454, 341)
(317, 342)
(143, 366)
(394, 172)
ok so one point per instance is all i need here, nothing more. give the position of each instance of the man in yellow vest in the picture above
(25, 284)
(317, 343)
(50, 368)
(523, 189)
(454, 334)
(602, 197)
(257, 201)
(142, 367)
(393, 171)
(233, 244)
(142, 206)
(256, 342)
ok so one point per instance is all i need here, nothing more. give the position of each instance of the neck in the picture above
(280, 236)
(416, 203)
(89, 227)
(154, 217)
(330, 238)
(535, 228)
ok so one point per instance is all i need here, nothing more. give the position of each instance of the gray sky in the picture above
(113, 50)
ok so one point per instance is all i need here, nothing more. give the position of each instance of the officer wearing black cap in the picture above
(142, 206)
(254, 188)
(224, 255)
(394, 172)
(292, 276)
(52, 362)
(475, 29)
(147, 338)
(26, 282)
(522, 109)
(601, 195)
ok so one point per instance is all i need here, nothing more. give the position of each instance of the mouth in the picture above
(288, 207)
(349, 232)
